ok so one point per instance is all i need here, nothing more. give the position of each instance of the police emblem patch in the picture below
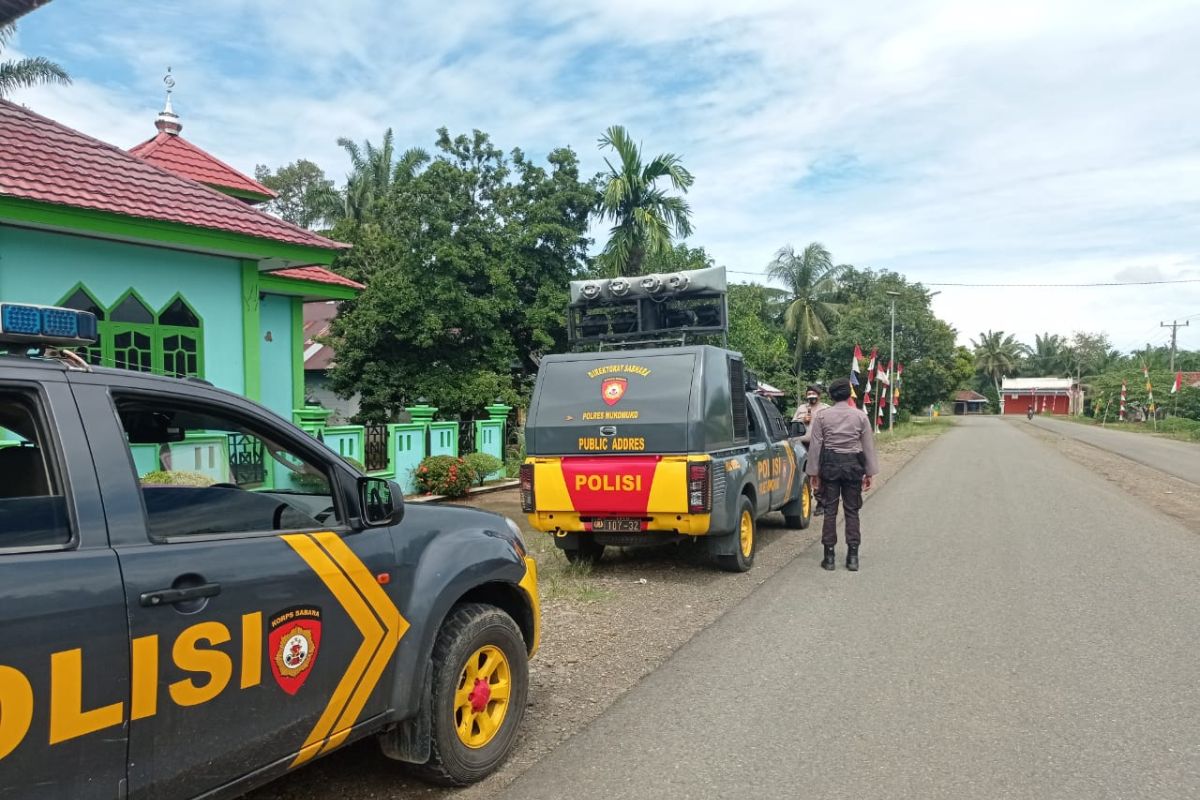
(294, 640)
(613, 389)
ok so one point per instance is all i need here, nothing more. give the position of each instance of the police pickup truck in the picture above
(633, 447)
(197, 597)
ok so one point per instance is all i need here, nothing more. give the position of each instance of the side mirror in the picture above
(798, 428)
(381, 501)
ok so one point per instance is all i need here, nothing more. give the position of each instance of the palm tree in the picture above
(997, 355)
(373, 172)
(812, 285)
(643, 215)
(1050, 355)
(26, 72)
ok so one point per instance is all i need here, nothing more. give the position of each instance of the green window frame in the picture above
(133, 336)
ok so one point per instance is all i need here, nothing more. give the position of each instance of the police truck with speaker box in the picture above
(650, 431)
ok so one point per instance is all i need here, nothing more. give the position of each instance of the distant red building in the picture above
(1043, 395)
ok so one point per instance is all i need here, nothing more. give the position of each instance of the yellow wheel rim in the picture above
(806, 499)
(747, 534)
(481, 701)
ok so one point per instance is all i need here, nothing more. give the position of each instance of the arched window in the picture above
(130, 334)
(81, 299)
(180, 339)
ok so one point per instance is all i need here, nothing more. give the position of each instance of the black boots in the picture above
(828, 562)
(851, 558)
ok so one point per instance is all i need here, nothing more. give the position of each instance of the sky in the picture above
(954, 142)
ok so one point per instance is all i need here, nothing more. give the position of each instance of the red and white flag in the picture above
(1122, 401)
(871, 367)
(1178, 384)
(896, 388)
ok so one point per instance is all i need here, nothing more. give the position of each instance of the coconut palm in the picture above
(1050, 355)
(644, 216)
(997, 355)
(373, 172)
(812, 286)
(25, 72)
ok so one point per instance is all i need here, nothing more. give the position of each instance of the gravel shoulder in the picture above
(1160, 490)
(604, 630)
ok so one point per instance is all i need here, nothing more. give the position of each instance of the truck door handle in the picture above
(164, 597)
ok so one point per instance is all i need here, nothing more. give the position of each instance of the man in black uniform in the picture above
(841, 462)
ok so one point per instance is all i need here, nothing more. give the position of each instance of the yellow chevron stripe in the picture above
(360, 613)
(395, 627)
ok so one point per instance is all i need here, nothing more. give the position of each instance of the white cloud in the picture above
(1023, 142)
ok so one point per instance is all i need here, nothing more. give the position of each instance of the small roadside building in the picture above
(164, 245)
(970, 402)
(1044, 395)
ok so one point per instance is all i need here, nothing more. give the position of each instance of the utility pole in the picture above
(1175, 325)
(892, 365)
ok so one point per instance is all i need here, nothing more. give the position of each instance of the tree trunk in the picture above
(634, 266)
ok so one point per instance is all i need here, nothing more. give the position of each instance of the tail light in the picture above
(527, 488)
(699, 488)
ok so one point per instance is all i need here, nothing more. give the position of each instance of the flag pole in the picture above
(892, 359)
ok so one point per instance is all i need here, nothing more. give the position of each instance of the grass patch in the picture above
(1178, 428)
(916, 427)
(557, 578)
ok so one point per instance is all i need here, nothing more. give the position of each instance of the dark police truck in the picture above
(164, 635)
(659, 440)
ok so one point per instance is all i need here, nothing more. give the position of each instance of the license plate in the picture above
(613, 525)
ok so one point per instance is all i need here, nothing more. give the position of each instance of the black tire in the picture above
(470, 628)
(588, 551)
(741, 560)
(804, 518)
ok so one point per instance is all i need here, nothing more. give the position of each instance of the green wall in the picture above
(41, 267)
(275, 323)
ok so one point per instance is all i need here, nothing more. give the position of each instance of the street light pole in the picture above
(892, 364)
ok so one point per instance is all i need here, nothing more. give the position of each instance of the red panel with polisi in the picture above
(618, 485)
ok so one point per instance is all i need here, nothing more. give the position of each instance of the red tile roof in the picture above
(175, 154)
(47, 162)
(316, 275)
(969, 396)
(318, 317)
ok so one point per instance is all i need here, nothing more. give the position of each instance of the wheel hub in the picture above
(480, 695)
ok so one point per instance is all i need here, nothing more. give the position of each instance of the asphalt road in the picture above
(1018, 630)
(1180, 459)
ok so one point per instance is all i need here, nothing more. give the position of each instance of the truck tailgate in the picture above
(611, 485)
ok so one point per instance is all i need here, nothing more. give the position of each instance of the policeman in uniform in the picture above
(805, 413)
(841, 462)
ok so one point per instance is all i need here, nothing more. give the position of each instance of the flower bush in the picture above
(483, 465)
(445, 475)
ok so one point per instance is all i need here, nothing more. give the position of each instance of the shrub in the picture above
(1190, 427)
(445, 475)
(483, 465)
(173, 478)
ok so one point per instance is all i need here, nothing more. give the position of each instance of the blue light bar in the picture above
(23, 323)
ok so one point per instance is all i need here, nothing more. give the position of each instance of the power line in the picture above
(1022, 285)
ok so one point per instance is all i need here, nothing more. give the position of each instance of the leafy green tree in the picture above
(925, 345)
(997, 355)
(811, 282)
(679, 258)
(755, 331)
(304, 195)
(466, 264)
(1088, 353)
(643, 214)
(26, 72)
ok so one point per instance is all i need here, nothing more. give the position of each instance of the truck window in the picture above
(33, 506)
(777, 427)
(205, 473)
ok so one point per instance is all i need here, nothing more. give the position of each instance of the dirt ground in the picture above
(604, 629)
